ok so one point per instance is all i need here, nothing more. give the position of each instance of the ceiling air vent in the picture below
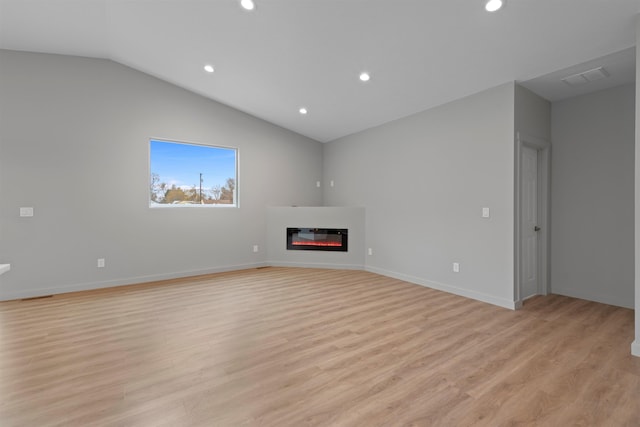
(586, 77)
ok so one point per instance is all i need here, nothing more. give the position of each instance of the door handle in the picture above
(536, 228)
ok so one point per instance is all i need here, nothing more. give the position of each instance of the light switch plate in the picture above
(485, 212)
(26, 212)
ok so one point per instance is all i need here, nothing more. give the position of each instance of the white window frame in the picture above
(153, 204)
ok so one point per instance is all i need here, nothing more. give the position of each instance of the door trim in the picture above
(544, 194)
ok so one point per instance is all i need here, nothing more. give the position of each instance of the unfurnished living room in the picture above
(319, 213)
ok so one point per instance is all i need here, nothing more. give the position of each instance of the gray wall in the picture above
(532, 114)
(74, 145)
(592, 239)
(279, 218)
(423, 180)
(635, 347)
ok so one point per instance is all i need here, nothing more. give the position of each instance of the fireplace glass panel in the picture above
(317, 239)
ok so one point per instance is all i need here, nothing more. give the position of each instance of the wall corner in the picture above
(635, 347)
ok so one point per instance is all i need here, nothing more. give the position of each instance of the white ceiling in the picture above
(620, 68)
(292, 53)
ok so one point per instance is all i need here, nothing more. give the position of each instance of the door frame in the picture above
(544, 203)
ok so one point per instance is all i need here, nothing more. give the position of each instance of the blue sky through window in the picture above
(180, 164)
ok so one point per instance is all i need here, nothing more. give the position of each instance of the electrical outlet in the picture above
(26, 212)
(255, 248)
(318, 184)
(370, 251)
(456, 267)
(100, 262)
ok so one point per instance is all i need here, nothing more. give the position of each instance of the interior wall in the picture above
(423, 181)
(281, 217)
(635, 346)
(532, 114)
(592, 239)
(74, 138)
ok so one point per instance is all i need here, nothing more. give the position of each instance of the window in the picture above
(184, 174)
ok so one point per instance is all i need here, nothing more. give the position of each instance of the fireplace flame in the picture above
(298, 243)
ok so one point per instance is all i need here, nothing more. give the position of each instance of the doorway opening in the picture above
(532, 231)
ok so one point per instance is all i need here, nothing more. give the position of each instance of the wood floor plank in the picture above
(296, 346)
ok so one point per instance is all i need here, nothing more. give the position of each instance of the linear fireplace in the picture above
(317, 239)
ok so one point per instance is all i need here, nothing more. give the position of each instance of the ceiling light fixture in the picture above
(208, 68)
(247, 4)
(493, 5)
(365, 77)
(303, 111)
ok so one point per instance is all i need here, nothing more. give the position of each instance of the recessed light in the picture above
(365, 77)
(303, 111)
(493, 5)
(247, 4)
(208, 68)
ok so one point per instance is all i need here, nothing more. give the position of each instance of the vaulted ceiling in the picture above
(288, 54)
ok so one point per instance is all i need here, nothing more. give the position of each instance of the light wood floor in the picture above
(303, 347)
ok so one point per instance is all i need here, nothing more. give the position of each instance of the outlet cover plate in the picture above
(26, 212)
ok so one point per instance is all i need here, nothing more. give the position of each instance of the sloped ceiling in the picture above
(287, 54)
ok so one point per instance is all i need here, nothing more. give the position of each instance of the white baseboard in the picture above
(635, 348)
(501, 302)
(316, 265)
(589, 296)
(38, 292)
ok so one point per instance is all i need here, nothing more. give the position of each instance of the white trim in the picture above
(544, 215)
(316, 265)
(7, 296)
(589, 296)
(478, 296)
(4, 268)
(635, 348)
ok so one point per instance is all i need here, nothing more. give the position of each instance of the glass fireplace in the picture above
(317, 239)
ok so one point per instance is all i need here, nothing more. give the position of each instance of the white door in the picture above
(529, 212)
